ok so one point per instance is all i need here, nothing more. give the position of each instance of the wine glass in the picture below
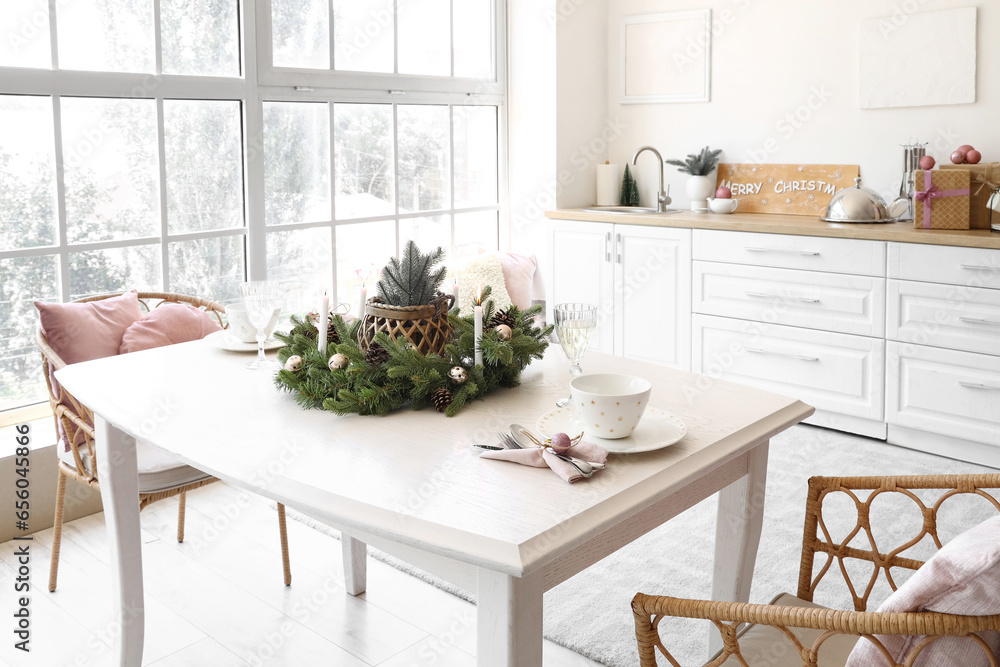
(260, 298)
(575, 324)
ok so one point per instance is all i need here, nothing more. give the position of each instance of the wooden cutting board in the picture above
(791, 189)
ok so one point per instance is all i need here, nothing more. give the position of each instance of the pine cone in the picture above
(376, 355)
(331, 332)
(503, 317)
(441, 398)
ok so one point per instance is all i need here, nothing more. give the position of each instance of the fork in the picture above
(585, 468)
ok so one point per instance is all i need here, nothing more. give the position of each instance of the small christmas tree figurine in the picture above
(630, 190)
(412, 280)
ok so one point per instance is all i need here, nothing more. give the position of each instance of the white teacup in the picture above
(723, 205)
(240, 326)
(610, 405)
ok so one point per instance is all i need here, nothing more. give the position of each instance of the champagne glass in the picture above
(575, 324)
(260, 298)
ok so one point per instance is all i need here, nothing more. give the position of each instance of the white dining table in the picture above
(409, 483)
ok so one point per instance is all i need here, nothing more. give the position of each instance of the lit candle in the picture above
(454, 288)
(478, 311)
(324, 322)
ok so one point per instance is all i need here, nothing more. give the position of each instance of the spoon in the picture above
(519, 432)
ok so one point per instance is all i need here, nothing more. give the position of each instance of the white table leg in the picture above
(355, 564)
(509, 620)
(737, 535)
(117, 472)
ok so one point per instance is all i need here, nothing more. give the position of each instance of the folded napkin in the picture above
(538, 457)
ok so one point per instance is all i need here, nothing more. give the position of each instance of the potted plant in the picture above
(409, 303)
(699, 187)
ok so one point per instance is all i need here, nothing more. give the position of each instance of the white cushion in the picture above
(963, 577)
(766, 645)
(158, 470)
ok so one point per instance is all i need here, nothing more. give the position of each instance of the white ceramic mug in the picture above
(609, 405)
(723, 205)
(240, 326)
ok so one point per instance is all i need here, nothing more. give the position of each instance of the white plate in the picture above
(657, 429)
(227, 341)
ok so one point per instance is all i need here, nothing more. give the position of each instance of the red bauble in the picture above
(973, 156)
(958, 157)
(723, 193)
(927, 163)
(965, 148)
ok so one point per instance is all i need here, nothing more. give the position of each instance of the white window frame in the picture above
(259, 82)
(484, 89)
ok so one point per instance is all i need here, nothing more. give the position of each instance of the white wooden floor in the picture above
(218, 598)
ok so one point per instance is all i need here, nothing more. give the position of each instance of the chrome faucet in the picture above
(662, 197)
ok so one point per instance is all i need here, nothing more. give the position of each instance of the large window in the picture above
(168, 148)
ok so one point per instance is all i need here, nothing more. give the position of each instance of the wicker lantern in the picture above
(425, 327)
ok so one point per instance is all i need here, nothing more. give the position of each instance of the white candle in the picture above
(454, 290)
(478, 312)
(364, 298)
(324, 322)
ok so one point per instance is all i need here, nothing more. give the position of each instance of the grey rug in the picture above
(591, 612)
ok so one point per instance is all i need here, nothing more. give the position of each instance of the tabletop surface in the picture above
(411, 476)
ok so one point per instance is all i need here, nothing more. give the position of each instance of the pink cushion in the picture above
(84, 331)
(518, 275)
(167, 324)
(963, 577)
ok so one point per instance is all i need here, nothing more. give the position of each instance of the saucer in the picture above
(226, 341)
(657, 429)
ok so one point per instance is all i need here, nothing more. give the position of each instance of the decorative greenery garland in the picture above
(377, 384)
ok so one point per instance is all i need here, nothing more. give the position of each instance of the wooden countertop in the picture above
(802, 225)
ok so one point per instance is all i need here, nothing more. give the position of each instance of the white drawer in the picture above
(835, 372)
(813, 253)
(960, 318)
(971, 267)
(943, 391)
(827, 301)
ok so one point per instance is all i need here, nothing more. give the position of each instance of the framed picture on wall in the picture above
(666, 57)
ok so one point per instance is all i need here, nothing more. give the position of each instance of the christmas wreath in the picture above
(391, 373)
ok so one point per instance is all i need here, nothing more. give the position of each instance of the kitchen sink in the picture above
(625, 210)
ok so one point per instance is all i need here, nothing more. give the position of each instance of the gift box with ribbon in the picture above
(941, 199)
(984, 179)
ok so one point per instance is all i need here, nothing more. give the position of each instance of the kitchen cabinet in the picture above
(888, 331)
(798, 316)
(943, 361)
(640, 279)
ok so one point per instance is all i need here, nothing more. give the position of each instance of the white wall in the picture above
(531, 121)
(583, 130)
(768, 60)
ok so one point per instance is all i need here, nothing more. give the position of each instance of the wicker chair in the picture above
(814, 626)
(76, 421)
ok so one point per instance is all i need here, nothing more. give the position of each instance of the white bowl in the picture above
(723, 205)
(610, 405)
(240, 327)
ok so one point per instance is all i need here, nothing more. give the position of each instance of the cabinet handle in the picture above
(979, 320)
(979, 385)
(765, 295)
(802, 357)
(607, 247)
(980, 267)
(619, 250)
(807, 253)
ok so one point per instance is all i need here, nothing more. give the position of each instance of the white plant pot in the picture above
(699, 189)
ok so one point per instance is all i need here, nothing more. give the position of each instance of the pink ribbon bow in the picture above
(932, 192)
